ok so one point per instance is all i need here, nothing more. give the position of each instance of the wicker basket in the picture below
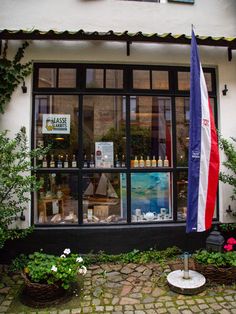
(41, 292)
(218, 275)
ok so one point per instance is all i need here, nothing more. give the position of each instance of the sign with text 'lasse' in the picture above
(56, 124)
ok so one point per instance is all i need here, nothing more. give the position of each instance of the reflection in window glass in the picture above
(182, 190)
(47, 77)
(114, 78)
(67, 78)
(182, 130)
(183, 80)
(151, 196)
(104, 123)
(94, 78)
(57, 199)
(141, 79)
(151, 137)
(56, 121)
(104, 198)
(160, 80)
(208, 81)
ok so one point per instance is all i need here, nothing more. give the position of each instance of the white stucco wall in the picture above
(211, 17)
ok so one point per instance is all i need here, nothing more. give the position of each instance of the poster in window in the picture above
(56, 124)
(104, 154)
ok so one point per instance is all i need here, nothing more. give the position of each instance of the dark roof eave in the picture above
(116, 36)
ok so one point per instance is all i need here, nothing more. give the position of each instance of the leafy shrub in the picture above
(51, 269)
(227, 259)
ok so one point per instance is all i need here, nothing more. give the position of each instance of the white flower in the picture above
(63, 256)
(54, 268)
(83, 270)
(79, 260)
(66, 251)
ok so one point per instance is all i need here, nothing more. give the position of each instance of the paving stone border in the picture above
(125, 289)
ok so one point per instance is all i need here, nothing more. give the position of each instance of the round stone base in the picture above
(193, 285)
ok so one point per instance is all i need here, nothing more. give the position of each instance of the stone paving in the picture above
(125, 289)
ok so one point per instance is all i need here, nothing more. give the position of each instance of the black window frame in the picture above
(80, 90)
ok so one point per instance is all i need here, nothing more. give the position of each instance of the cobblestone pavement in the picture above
(125, 289)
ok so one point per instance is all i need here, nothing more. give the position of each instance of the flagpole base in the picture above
(190, 286)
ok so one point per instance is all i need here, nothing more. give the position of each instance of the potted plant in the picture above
(48, 277)
(219, 267)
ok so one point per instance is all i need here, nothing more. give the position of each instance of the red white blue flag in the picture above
(203, 160)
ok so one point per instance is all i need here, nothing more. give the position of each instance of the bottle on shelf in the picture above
(148, 162)
(123, 161)
(153, 162)
(45, 162)
(117, 162)
(85, 164)
(66, 162)
(166, 162)
(135, 162)
(92, 162)
(59, 162)
(160, 162)
(52, 162)
(74, 162)
(141, 162)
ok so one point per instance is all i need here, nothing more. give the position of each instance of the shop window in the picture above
(104, 198)
(184, 81)
(104, 78)
(151, 132)
(160, 80)
(57, 199)
(67, 78)
(47, 77)
(141, 79)
(104, 131)
(56, 121)
(182, 190)
(151, 197)
(182, 130)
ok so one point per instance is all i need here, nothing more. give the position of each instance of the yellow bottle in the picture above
(166, 162)
(160, 162)
(148, 162)
(135, 162)
(141, 162)
(154, 162)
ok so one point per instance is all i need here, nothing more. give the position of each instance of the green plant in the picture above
(228, 227)
(16, 182)
(134, 256)
(61, 270)
(219, 259)
(12, 73)
(230, 163)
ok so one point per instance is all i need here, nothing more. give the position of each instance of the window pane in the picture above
(151, 196)
(57, 199)
(104, 198)
(67, 78)
(160, 80)
(56, 122)
(47, 77)
(151, 131)
(94, 78)
(208, 81)
(183, 80)
(182, 190)
(182, 130)
(114, 78)
(141, 79)
(104, 131)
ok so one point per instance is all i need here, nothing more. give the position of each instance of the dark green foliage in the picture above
(12, 73)
(230, 163)
(134, 256)
(218, 259)
(228, 227)
(16, 182)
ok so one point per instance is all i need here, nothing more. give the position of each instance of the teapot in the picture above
(149, 216)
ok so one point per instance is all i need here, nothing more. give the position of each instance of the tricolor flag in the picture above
(203, 160)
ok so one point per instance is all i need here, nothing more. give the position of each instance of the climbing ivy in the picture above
(12, 73)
